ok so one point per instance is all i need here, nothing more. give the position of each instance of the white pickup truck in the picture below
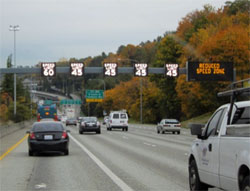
(220, 156)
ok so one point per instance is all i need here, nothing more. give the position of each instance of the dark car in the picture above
(71, 121)
(89, 124)
(48, 136)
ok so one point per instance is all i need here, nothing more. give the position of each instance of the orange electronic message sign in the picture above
(210, 71)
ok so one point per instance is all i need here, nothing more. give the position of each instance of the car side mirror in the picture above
(196, 129)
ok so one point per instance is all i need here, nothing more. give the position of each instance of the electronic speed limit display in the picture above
(210, 71)
(76, 69)
(140, 69)
(110, 69)
(48, 69)
(171, 70)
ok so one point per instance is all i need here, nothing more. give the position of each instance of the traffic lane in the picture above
(179, 151)
(52, 171)
(180, 156)
(169, 137)
(137, 165)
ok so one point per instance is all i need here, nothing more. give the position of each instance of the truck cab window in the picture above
(242, 116)
(213, 123)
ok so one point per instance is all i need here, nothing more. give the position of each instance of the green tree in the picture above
(169, 51)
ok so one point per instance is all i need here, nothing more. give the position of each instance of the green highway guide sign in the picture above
(94, 94)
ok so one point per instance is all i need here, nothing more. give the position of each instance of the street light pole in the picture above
(14, 28)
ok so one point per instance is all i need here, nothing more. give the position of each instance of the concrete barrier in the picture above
(11, 128)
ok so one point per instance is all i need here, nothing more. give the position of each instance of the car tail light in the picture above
(55, 118)
(64, 135)
(32, 135)
(38, 118)
(110, 121)
(178, 125)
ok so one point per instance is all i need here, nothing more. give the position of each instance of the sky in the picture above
(55, 29)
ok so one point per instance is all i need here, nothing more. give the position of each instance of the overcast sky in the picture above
(52, 29)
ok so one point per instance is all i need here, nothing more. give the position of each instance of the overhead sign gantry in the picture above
(195, 71)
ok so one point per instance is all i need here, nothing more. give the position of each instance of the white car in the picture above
(169, 125)
(118, 120)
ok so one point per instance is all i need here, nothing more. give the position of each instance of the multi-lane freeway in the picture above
(139, 159)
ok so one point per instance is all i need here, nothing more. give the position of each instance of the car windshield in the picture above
(171, 121)
(40, 127)
(90, 119)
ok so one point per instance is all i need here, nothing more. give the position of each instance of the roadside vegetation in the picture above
(23, 105)
(205, 35)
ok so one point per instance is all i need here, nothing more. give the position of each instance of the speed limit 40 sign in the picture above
(48, 69)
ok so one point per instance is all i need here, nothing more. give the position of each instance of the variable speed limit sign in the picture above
(110, 69)
(141, 69)
(172, 70)
(76, 69)
(48, 69)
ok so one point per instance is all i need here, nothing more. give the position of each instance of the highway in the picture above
(139, 159)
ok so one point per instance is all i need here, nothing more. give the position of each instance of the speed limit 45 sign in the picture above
(48, 69)
(76, 69)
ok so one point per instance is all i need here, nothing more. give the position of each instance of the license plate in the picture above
(121, 121)
(48, 137)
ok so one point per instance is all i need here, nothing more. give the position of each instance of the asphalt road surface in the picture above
(139, 159)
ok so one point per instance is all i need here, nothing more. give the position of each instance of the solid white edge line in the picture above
(115, 178)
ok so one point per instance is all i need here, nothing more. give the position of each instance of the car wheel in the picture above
(246, 184)
(80, 132)
(162, 132)
(194, 180)
(173, 132)
(178, 132)
(98, 132)
(158, 131)
(110, 129)
(31, 153)
(66, 152)
(126, 128)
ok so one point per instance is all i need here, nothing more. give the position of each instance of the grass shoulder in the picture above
(199, 119)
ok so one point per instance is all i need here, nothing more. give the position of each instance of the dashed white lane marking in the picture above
(149, 144)
(40, 186)
(113, 177)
